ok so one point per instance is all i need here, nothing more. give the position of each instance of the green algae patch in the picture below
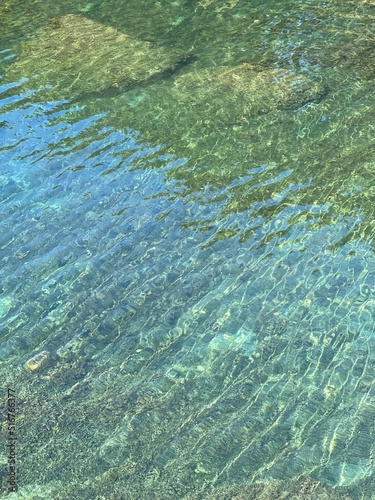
(75, 56)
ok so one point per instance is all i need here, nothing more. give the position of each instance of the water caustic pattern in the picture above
(187, 293)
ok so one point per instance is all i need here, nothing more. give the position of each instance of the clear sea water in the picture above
(187, 280)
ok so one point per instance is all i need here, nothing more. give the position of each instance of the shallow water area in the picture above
(187, 293)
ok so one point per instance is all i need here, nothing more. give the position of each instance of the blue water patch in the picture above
(99, 268)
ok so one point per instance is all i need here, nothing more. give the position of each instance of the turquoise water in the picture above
(187, 274)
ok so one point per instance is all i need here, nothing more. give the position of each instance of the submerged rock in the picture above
(75, 55)
(358, 56)
(36, 361)
(237, 93)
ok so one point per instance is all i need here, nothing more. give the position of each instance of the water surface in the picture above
(187, 270)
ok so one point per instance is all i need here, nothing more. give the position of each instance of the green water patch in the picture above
(75, 55)
(303, 110)
(20, 20)
(292, 138)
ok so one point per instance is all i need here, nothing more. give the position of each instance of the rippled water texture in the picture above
(187, 281)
